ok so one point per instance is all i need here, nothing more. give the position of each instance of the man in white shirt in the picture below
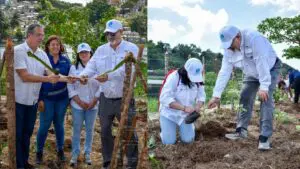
(29, 75)
(253, 53)
(106, 57)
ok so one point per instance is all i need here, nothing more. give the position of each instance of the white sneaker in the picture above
(237, 135)
(88, 159)
(264, 143)
(73, 161)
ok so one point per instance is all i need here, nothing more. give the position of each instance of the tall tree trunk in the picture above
(10, 93)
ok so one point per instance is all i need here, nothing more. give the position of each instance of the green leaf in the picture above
(42, 62)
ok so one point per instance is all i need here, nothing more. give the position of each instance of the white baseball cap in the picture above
(227, 34)
(194, 67)
(113, 26)
(83, 47)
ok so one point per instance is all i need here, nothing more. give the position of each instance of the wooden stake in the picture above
(124, 113)
(143, 157)
(10, 93)
(127, 96)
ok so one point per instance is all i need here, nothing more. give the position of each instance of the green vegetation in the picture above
(279, 30)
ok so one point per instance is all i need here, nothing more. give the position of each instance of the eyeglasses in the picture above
(111, 34)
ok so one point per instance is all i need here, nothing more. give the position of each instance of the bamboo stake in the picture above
(10, 93)
(124, 113)
(143, 157)
(137, 69)
(127, 95)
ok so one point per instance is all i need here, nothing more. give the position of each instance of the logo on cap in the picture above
(198, 71)
(222, 37)
(82, 46)
(110, 24)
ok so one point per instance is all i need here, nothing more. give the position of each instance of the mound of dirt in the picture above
(212, 128)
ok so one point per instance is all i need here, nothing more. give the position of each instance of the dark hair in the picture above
(79, 61)
(183, 76)
(51, 38)
(31, 28)
(281, 84)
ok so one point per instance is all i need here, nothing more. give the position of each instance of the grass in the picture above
(152, 104)
(283, 117)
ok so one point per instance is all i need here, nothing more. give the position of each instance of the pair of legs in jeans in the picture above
(25, 120)
(55, 111)
(88, 117)
(248, 95)
(168, 131)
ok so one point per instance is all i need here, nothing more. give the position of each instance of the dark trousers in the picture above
(25, 120)
(108, 110)
(296, 86)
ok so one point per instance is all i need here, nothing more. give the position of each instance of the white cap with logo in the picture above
(227, 34)
(83, 47)
(194, 67)
(113, 26)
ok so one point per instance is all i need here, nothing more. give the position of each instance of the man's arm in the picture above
(223, 77)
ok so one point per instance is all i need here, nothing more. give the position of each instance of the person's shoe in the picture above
(88, 159)
(264, 143)
(73, 161)
(240, 133)
(106, 165)
(28, 166)
(39, 158)
(61, 156)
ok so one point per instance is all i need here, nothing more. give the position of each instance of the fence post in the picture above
(10, 93)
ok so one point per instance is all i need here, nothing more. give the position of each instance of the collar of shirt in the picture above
(60, 58)
(27, 48)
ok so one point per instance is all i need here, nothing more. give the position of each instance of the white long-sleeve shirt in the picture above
(86, 92)
(175, 90)
(27, 93)
(256, 58)
(106, 58)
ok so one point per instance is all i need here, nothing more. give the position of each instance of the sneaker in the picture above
(61, 156)
(240, 133)
(88, 159)
(264, 143)
(73, 161)
(39, 158)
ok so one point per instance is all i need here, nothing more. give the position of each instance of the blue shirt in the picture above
(293, 75)
(59, 90)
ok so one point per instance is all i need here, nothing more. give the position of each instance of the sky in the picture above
(199, 21)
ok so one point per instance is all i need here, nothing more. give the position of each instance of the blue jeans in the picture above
(168, 131)
(54, 112)
(89, 118)
(248, 94)
(25, 120)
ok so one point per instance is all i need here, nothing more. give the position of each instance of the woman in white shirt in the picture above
(182, 94)
(84, 104)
